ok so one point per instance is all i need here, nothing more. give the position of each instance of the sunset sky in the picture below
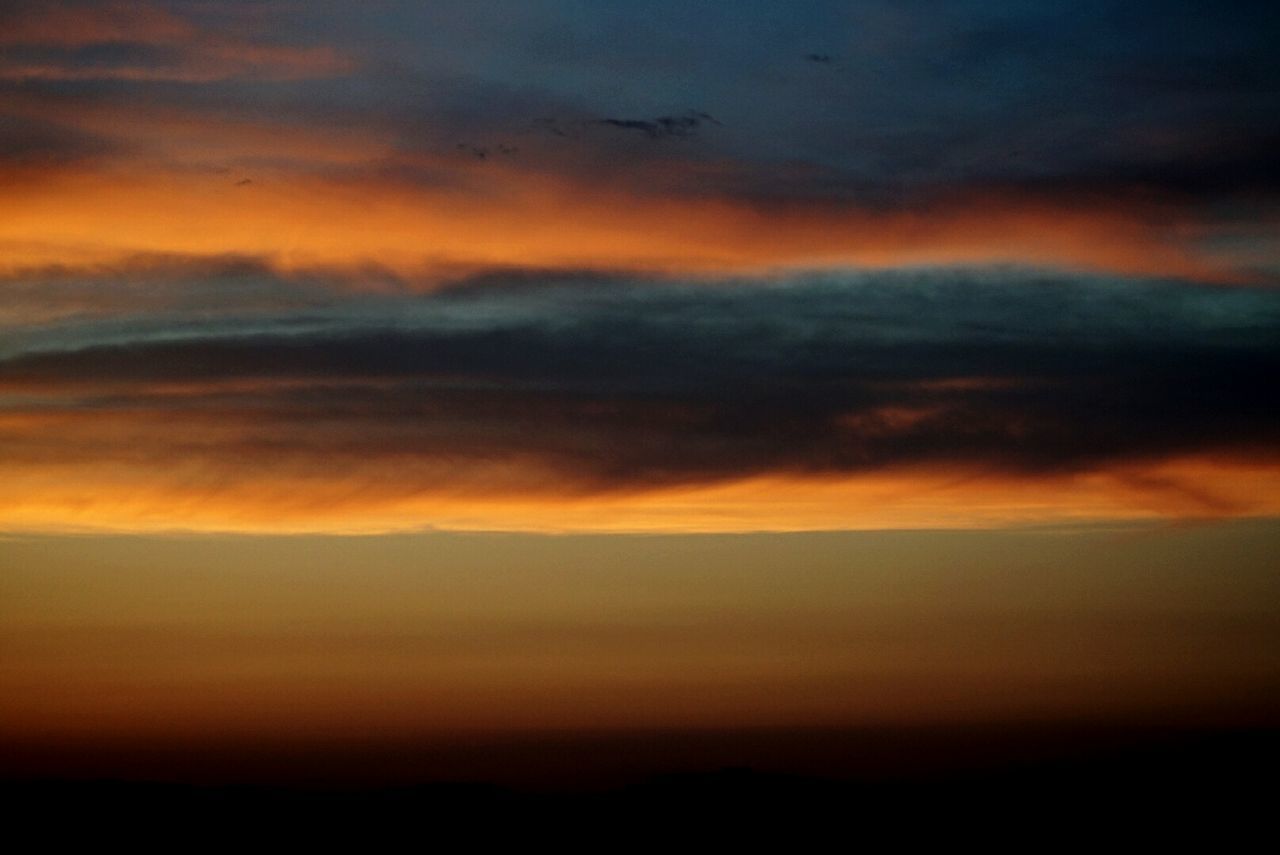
(392, 370)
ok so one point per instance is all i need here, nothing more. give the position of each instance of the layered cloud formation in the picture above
(553, 390)
(857, 265)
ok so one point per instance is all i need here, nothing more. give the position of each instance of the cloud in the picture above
(76, 24)
(208, 198)
(684, 125)
(144, 42)
(1028, 115)
(614, 386)
(166, 289)
(31, 143)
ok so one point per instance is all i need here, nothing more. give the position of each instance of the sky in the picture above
(823, 363)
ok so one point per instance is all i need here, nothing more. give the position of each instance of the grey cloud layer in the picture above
(609, 383)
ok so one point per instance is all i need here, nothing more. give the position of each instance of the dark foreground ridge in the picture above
(1207, 786)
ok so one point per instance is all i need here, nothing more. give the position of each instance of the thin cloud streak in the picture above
(144, 42)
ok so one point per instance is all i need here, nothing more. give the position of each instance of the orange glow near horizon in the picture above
(527, 220)
(412, 639)
(119, 497)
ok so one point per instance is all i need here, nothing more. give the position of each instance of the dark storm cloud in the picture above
(617, 385)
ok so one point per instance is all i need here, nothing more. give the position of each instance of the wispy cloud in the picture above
(144, 42)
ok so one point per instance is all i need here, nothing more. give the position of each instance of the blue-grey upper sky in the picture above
(868, 102)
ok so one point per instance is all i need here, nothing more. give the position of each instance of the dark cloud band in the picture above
(620, 384)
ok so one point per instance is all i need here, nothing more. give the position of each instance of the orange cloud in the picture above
(79, 24)
(193, 54)
(488, 215)
(126, 494)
